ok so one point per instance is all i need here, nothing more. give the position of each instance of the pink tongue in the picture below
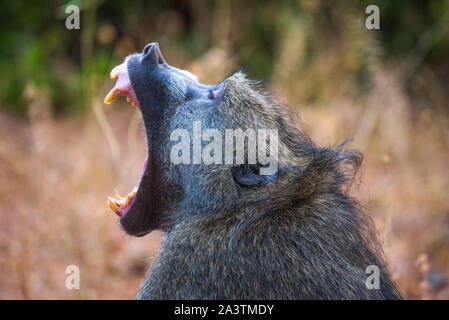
(145, 163)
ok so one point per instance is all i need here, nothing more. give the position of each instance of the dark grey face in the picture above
(171, 99)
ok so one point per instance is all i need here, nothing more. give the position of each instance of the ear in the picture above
(248, 175)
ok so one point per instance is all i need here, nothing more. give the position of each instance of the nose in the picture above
(152, 53)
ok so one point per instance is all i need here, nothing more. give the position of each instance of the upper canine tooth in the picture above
(112, 95)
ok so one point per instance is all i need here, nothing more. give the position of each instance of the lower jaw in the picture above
(121, 205)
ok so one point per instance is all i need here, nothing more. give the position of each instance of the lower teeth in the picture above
(117, 202)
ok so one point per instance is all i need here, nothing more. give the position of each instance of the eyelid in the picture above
(217, 92)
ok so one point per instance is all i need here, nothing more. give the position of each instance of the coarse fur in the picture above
(293, 235)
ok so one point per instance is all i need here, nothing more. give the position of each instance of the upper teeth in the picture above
(122, 86)
(112, 95)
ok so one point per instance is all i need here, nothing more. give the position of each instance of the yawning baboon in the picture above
(235, 230)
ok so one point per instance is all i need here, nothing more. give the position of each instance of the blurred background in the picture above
(62, 151)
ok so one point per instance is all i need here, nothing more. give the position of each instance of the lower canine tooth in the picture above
(113, 206)
(128, 200)
(117, 195)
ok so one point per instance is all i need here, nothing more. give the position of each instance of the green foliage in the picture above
(37, 48)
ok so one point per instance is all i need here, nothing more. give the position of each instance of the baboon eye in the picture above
(217, 92)
(214, 94)
(248, 175)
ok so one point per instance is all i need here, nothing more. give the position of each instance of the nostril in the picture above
(152, 53)
(147, 49)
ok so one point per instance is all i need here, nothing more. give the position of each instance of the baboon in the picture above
(232, 232)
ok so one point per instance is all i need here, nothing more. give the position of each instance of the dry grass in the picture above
(55, 175)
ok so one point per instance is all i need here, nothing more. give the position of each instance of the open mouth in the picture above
(121, 205)
(122, 87)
